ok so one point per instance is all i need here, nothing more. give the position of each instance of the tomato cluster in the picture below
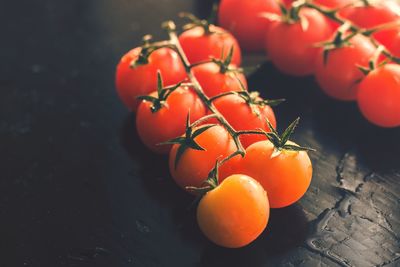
(337, 41)
(192, 102)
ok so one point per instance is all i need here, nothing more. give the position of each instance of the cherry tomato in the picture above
(285, 177)
(194, 166)
(339, 75)
(390, 39)
(169, 121)
(244, 117)
(291, 46)
(234, 213)
(199, 46)
(379, 96)
(214, 82)
(243, 19)
(142, 80)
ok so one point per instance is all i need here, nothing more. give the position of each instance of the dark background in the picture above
(78, 189)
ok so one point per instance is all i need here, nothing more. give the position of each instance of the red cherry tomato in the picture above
(214, 82)
(243, 19)
(242, 117)
(379, 96)
(291, 46)
(142, 80)
(170, 120)
(339, 75)
(199, 46)
(194, 166)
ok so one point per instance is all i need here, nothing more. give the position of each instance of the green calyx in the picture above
(187, 140)
(224, 64)
(162, 94)
(280, 141)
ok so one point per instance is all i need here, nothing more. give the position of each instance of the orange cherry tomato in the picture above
(286, 177)
(234, 213)
(379, 96)
(194, 165)
(142, 80)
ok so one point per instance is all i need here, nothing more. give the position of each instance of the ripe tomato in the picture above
(214, 82)
(241, 116)
(243, 19)
(339, 75)
(194, 165)
(142, 80)
(199, 46)
(291, 46)
(234, 213)
(379, 96)
(285, 177)
(170, 120)
(375, 15)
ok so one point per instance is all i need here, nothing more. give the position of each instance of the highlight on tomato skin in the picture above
(155, 127)
(200, 46)
(142, 79)
(234, 213)
(379, 96)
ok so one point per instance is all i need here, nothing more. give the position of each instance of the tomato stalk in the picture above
(333, 15)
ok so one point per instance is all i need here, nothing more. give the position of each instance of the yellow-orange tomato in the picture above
(285, 177)
(234, 213)
(194, 165)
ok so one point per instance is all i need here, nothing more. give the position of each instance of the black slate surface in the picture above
(78, 189)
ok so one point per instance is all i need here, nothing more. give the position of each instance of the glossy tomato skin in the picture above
(235, 213)
(379, 96)
(243, 19)
(214, 82)
(285, 177)
(291, 47)
(142, 80)
(339, 76)
(199, 46)
(239, 114)
(168, 122)
(194, 165)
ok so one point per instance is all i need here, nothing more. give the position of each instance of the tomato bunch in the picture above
(337, 41)
(192, 102)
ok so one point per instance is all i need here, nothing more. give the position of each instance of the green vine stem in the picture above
(333, 15)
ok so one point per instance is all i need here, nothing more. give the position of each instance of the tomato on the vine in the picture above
(292, 46)
(132, 82)
(375, 15)
(189, 166)
(243, 113)
(200, 45)
(164, 119)
(244, 20)
(379, 96)
(215, 82)
(234, 213)
(337, 71)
